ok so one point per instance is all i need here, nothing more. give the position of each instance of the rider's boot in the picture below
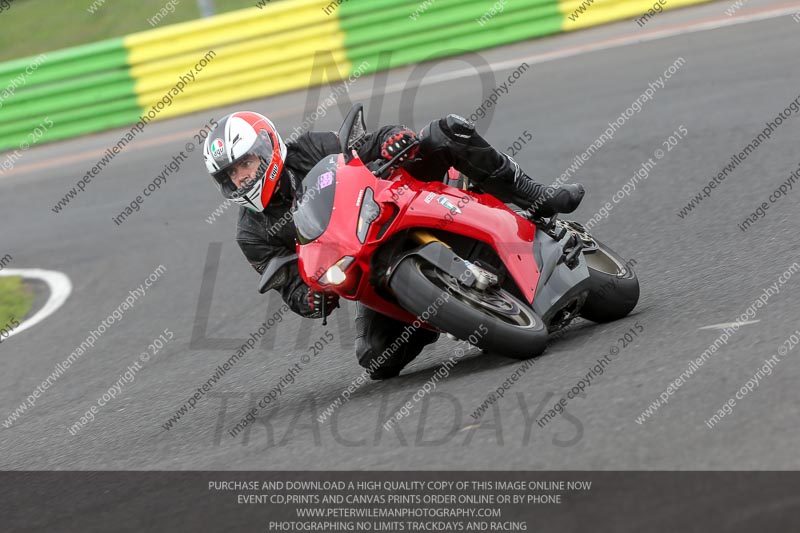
(511, 185)
(454, 141)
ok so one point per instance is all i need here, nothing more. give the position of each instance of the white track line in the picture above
(60, 289)
(635, 38)
(730, 324)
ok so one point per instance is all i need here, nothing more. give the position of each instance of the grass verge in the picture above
(30, 27)
(15, 300)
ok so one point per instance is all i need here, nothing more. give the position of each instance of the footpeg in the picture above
(571, 259)
(553, 229)
(572, 251)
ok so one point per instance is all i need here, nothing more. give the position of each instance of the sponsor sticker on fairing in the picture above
(325, 180)
(449, 205)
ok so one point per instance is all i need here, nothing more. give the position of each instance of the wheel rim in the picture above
(492, 301)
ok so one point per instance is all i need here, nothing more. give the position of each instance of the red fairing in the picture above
(479, 216)
(431, 205)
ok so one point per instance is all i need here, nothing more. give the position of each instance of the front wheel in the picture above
(501, 323)
(613, 286)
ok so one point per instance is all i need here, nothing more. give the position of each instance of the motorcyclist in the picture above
(251, 165)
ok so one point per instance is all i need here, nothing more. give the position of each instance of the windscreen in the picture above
(315, 203)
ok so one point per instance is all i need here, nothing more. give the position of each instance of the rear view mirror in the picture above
(353, 129)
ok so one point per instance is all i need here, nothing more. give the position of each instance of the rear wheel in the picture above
(497, 321)
(614, 287)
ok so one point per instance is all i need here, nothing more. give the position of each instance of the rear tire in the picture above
(614, 287)
(512, 328)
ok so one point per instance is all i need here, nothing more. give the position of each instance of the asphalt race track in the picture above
(696, 271)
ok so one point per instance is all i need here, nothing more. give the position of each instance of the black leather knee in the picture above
(459, 129)
(419, 339)
(451, 132)
(376, 333)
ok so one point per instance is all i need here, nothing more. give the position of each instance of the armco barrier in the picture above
(447, 27)
(82, 89)
(258, 53)
(287, 45)
(604, 11)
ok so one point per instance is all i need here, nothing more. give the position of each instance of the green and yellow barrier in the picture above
(605, 11)
(253, 53)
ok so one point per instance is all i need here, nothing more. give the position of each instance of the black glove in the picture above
(315, 301)
(397, 142)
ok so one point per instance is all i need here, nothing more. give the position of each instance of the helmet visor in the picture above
(251, 166)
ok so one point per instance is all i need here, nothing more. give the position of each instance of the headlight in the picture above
(335, 274)
(370, 210)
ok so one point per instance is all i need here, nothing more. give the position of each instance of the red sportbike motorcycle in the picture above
(398, 244)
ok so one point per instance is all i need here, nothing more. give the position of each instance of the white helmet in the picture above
(236, 136)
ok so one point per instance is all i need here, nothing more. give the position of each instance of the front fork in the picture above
(483, 278)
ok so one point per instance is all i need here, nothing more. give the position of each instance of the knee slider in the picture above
(461, 131)
(457, 128)
(449, 132)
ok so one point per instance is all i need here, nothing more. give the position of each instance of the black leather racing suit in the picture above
(448, 142)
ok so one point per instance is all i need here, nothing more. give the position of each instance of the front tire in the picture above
(512, 328)
(614, 287)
